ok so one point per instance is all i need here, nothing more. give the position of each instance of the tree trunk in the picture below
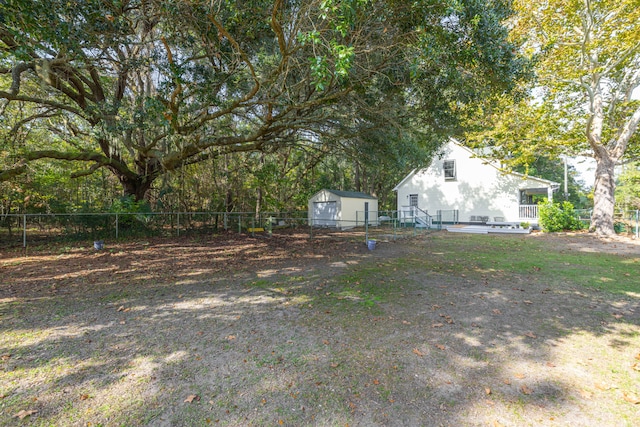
(603, 197)
(137, 187)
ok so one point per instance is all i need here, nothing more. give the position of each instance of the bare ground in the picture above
(233, 330)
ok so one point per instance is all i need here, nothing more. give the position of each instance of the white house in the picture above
(341, 209)
(460, 187)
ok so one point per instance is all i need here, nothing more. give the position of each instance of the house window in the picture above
(413, 200)
(449, 167)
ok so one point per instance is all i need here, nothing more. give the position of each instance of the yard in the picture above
(440, 329)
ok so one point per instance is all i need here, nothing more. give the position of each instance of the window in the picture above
(413, 200)
(449, 167)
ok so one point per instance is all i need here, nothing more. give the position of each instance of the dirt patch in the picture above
(588, 242)
(290, 331)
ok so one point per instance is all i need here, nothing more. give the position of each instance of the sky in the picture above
(586, 168)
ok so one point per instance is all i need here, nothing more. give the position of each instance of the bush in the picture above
(620, 227)
(133, 214)
(559, 217)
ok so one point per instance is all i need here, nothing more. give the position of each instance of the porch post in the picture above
(550, 194)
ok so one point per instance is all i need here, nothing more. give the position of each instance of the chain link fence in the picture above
(38, 229)
(625, 223)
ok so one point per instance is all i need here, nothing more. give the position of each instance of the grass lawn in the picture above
(441, 329)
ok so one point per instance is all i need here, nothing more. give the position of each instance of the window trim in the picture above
(445, 169)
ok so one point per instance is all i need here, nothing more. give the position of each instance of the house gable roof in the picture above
(488, 162)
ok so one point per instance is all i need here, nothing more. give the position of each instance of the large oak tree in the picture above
(146, 87)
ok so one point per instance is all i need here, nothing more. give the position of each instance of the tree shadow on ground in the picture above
(389, 337)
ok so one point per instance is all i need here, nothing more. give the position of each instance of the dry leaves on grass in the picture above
(526, 390)
(586, 394)
(25, 413)
(603, 386)
(192, 398)
(418, 352)
(531, 335)
(631, 397)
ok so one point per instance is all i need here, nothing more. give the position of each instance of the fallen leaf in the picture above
(519, 376)
(230, 337)
(636, 366)
(637, 356)
(496, 311)
(551, 365)
(631, 397)
(325, 342)
(334, 365)
(6, 356)
(192, 398)
(531, 335)
(527, 302)
(437, 325)
(525, 390)
(586, 394)
(418, 352)
(376, 382)
(405, 322)
(603, 386)
(487, 391)
(507, 381)
(84, 396)
(617, 315)
(25, 413)
(440, 346)
(497, 424)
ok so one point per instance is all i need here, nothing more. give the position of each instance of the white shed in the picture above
(341, 209)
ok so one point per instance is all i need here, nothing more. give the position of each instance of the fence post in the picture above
(24, 230)
(178, 223)
(116, 226)
(637, 224)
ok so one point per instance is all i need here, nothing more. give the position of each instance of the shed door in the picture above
(325, 213)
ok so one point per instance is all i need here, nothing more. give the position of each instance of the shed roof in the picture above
(351, 194)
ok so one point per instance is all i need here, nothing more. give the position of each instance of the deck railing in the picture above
(529, 212)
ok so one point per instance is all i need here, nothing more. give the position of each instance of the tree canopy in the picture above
(142, 88)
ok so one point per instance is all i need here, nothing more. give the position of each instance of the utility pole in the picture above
(566, 190)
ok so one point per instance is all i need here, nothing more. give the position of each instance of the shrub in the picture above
(133, 214)
(559, 217)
